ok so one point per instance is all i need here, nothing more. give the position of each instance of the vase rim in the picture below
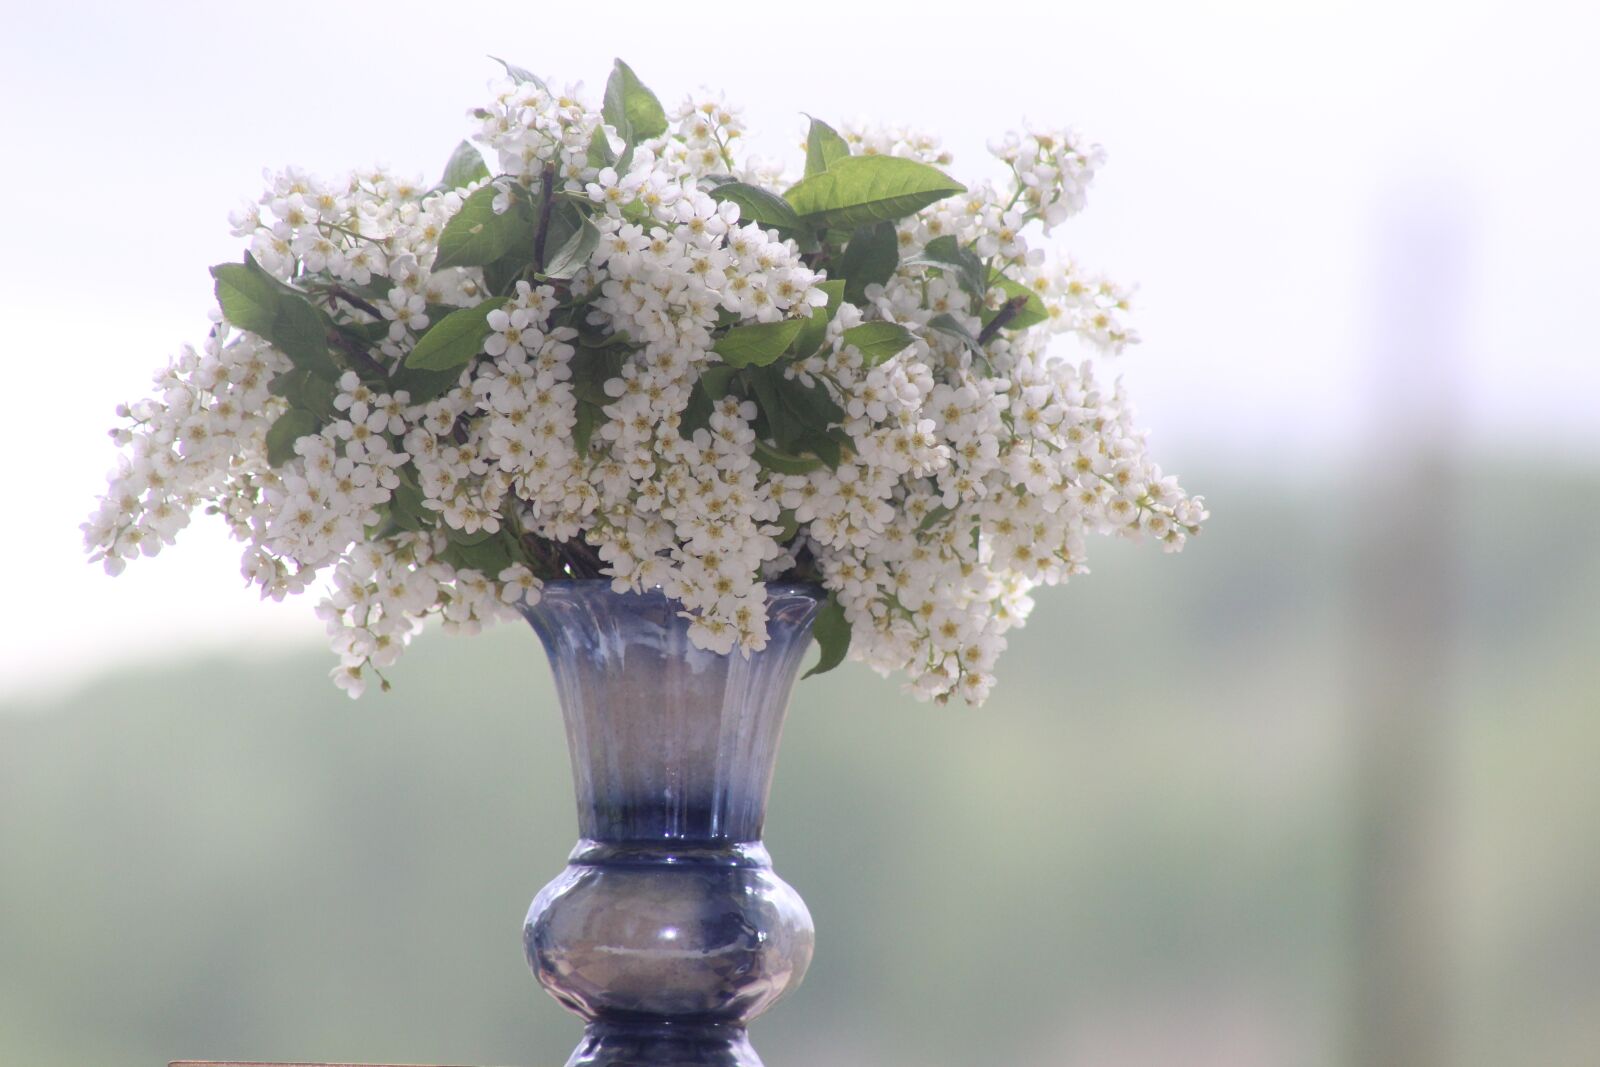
(812, 589)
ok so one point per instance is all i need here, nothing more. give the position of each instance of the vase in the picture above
(668, 931)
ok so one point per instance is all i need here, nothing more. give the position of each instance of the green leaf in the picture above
(784, 462)
(934, 517)
(949, 324)
(824, 147)
(424, 385)
(574, 253)
(592, 368)
(455, 339)
(776, 421)
(307, 391)
(759, 344)
(878, 340)
(757, 205)
(946, 252)
(465, 166)
(406, 507)
(462, 537)
(500, 277)
(871, 257)
(254, 300)
(476, 236)
(630, 106)
(815, 330)
(286, 429)
(712, 386)
(601, 154)
(790, 524)
(589, 416)
(826, 449)
(832, 631)
(798, 416)
(1032, 313)
(517, 74)
(860, 190)
(488, 557)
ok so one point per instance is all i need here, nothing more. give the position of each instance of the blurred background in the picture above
(1320, 791)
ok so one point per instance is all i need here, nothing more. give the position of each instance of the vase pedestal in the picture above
(668, 931)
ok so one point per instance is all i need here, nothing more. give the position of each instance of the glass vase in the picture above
(668, 931)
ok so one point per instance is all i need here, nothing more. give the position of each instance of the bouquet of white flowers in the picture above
(626, 351)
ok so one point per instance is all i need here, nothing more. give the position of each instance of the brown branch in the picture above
(358, 354)
(547, 202)
(353, 300)
(1008, 311)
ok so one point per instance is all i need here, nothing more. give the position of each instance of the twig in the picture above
(547, 203)
(1008, 311)
(353, 300)
(358, 353)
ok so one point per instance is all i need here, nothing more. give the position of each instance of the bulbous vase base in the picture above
(620, 1043)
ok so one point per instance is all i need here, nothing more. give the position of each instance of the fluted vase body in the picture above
(668, 931)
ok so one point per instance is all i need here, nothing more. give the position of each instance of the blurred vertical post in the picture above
(1404, 574)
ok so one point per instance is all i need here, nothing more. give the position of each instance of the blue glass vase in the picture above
(668, 931)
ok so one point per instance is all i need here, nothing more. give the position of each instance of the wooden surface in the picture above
(261, 1063)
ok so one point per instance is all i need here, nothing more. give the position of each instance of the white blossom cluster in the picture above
(968, 467)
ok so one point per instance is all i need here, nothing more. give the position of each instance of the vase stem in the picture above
(668, 931)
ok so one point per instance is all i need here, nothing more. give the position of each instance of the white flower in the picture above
(930, 488)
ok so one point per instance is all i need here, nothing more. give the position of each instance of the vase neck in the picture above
(670, 744)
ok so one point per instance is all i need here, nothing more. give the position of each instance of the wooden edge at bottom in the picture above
(297, 1063)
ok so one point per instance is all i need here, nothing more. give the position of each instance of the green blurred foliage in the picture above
(1138, 853)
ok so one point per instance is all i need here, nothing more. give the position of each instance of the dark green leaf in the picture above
(815, 330)
(574, 252)
(407, 510)
(630, 106)
(424, 385)
(455, 339)
(946, 252)
(757, 205)
(827, 449)
(500, 277)
(1033, 312)
(476, 236)
(286, 429)
(933, 518)
(306, 391)
(824, 147)
(601, 154)
(783, 462)
(592, 368)
(832, 631)
(870, 258)
(757, 345)
(860, 190)
(365, 334)
(465, 539)
(812, 403)
(711, 387)
(589, 416)
(949, 324)
(776, 421)
(798, 416)
(488, 557)
(254, 300)
(790, 524)
(878, 340)
(517, 74)
(465, 166)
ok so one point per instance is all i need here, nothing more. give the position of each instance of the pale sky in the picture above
(1259, 157)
